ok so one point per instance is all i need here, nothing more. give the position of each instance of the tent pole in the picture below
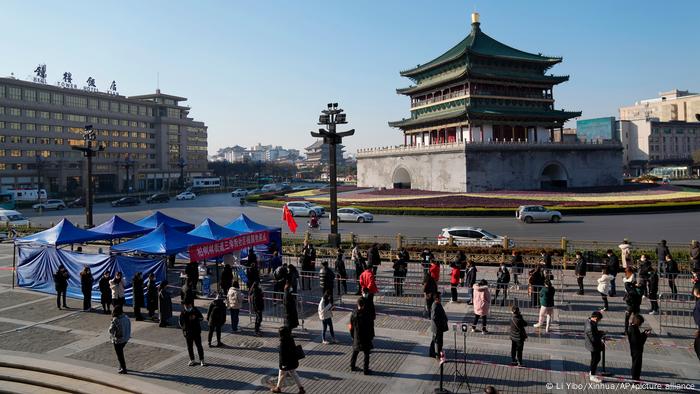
(14, 262)
(216, 262)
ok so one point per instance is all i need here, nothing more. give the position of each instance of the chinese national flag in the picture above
(287, 217)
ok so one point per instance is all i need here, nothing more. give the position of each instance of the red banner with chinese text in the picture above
(227, 245)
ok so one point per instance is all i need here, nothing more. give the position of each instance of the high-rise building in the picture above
(150, 136)
(318, 154)
(674, 105)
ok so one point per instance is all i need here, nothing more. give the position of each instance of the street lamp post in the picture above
(39, 169)
(182, 164)
(90, 137)
(331, 117)
(127, 164)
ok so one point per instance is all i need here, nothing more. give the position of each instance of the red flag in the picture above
(289, 218)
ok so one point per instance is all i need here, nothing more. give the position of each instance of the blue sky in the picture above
(260, 71)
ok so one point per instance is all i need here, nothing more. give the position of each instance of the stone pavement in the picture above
(30, 324)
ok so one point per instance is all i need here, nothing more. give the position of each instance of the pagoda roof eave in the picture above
(429, 119)
(543, 114)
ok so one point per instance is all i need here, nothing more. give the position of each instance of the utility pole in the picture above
(331, 117)
(39, 170)
(127, 164)
(90, 137)
(182, 164)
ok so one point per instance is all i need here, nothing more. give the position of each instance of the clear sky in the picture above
(260, 71)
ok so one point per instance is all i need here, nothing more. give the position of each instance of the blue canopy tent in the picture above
(117, 227)
(63, 233)
(37, 266)
(213, 231)
(164, 240)
(244, 224)
(157, 218)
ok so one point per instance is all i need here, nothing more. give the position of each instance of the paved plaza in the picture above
(32, 329)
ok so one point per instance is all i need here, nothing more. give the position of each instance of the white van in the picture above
(14, 218)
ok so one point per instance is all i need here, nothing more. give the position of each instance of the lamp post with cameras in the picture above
(182, 164)
(90, 138)
(331, 117)
(127, 164)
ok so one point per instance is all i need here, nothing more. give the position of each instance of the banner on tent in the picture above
(227, 245)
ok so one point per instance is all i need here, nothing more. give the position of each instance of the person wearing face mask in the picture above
(580, 269)
(190, 319)
(86, 281)
(502, 281)
(60, 279)
(117, 287)
(105, 293)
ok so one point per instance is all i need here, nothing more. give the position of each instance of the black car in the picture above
(126, 201)
(77, 203)
(158, 197)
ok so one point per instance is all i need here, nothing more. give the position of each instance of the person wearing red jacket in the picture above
(367, 281)
(454, 280)
(435, 271)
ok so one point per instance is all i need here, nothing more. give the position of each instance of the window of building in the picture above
(124, 133)
(14, 112)
(92, 103)
(133, 109)
(29, 126)
(76, 118)
(2, 124)
(2, 110)
(13, 126)
(115, 144)
(44, 97)
(73, 142)
(124, 144)
(104, 121)
(57, 98)
(115, 133)
(15, 139)
(104, 133)
(124, 108)
(30, 140)
(44, 141)
(2, 152)
(123, 122)
(173, 113)
(15, 153)
(142, 110)
(134, 134)
(30, 113)
(92, 119)
(43, 114)
(57, 115)
(58, 129)
(142, 135)
(114, 122)
(114, 106)
(133, 123)
(104, 105)
(2, 91)
(29, 94)
(14, 93)
(76, 101)
(58, 141)
(43, 127)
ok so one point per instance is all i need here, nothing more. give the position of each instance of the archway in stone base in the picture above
(401, 179)
(554, 176)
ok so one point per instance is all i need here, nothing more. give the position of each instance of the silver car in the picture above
(50, 204)
(537, 213)
(354, 215)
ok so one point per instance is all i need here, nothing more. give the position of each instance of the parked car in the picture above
(354, 215)
(186, 196)
(305, 208)
(77, 203)
(537, 213)
(239, 193)
(126, 202)
(14, 218)
(50, 204)
(158, 197)
(471, 236)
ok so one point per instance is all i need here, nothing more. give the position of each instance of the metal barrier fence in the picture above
(274, 308)
(676, 310)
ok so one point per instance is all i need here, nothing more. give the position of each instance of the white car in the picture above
(239, 193)
(12, 218)
(354, 215)
(304, 208)
(537, 213)
(471, 236)
(186, 196)
(50, 204)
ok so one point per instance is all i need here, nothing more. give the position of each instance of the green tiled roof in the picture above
(447, 77)
(481, 44)
(439, 117)
(515, 112)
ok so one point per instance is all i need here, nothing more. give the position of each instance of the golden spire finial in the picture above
(475, 17)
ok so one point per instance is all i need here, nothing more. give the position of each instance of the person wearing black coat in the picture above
(517, 266)
(253, 273)
(86, 281)
(637, 338)
(369, 304)
(192, 273)
(695, 256)
(105, 293)
(190, 322)
(426, 256)
(535, 284)
(547, 260)
(362, 333)
(340, 272)
(289, 300)
(373, 258)
(654, 291)
(187, 295)
(293, 275)
(137, 291)
(462, 262)
(594, 343)
(661, 253)
(60, 279)
(165, 304)
(672, 272)
(580, 269)
(502, 281)
(633, 299)
(470, 280)
(257, 305)
(152, 296)
(226, 278)
(438, 326)
(288, 361)
(429, 290)
(613, 265)
(518, 335)
(696, 318)
(216, 317)
(400, 270)
(326, 279)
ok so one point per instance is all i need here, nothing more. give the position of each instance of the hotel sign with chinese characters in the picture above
(67, 82)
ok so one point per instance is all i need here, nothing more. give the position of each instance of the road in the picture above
(674, 227)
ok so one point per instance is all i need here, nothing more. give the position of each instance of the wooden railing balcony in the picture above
(444, 97)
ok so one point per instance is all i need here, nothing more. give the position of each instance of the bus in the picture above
(206, 183)
(27, 194)
(7, 200)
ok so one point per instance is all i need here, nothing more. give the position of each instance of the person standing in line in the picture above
(435, 270)
(696, 317)
(256, 301)
(306, 266)
(462, 263)
(326, 278)
(105, 293)
(482, 303)
(226, 278)
(275, 261)
(633, 299)
(518, 335)
(613, 265)
(502, 281)
(672, 272)
(426, 257)
(654, 290)
(253, 272)
(152, 297)
(535, 282)
(469, 281)
(86, 281)
(362, 333)
(429, 290)
(580, 269)
(216, 317)
(116, 285)
(546, 305)
(373, 258)
(604, 287)
(289, 300)
(137, 291)
(400, 270)
(292, 277)
(325, 314)
(661, 253)
(594, 343)
(288, 361)
(454, 280)
(547, 261)
(356, 258)
(516, 265)
(119, 334)
(369, 304)
(165, 304)
(629, 276)
(695, 256)
(438, 326)
(60, 279)
(192, 273)
(190, 322)
(636, 339)
(280, 276)
(644, 269)
(235, 301)
(368, 281)
(187, 292)
(625, 254)
(340, 272)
